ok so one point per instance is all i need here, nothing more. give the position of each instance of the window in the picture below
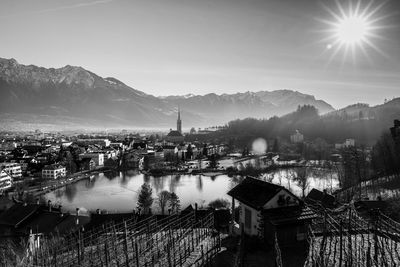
(247, 218)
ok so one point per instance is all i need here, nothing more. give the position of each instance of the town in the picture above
(265, 210)
(212, 133)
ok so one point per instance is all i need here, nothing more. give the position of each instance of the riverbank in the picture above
(73, 178)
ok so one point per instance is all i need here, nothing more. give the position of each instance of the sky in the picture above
(177, 47)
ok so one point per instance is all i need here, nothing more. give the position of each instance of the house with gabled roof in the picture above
(267, 210)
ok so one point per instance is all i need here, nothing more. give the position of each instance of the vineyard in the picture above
(342, 238)
(338, 237)
(177, 240)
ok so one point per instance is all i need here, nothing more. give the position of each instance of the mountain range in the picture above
(73, 96)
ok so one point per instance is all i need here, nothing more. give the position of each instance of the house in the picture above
(268, 210)
(170, 152)
(23, 162)
(13, 169)
(87, 164)
(100, 142)
(174, 137)
(53, 171)
(8, 146)
(297, 137)
(368, 208)
(97, 157)
(130, 160)
(347, 143)
(5, 181)
(139, 145)
(321, 197)
(20, 219)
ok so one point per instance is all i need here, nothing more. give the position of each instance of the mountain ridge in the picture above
(73, 91)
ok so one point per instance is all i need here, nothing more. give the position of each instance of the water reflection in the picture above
(118, 193)
(89, 183)
(174, 182)
(110, 175)
(70, 191)
(199, 183)
(158, 183)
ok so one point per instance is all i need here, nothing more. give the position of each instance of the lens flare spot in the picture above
(259, 146)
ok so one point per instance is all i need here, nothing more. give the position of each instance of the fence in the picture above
(170, 241)
(343, 238)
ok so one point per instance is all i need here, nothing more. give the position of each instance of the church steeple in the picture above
(179, 122)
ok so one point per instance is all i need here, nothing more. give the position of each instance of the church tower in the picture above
(179, 122)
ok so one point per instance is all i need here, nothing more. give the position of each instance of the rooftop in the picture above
(17, 214)
(325, 199)
(289, 214)
(254, 192)
(174, 133)
(53, 167)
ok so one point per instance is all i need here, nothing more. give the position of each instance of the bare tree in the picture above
(174, 203)
(302, 179)
(162, 199)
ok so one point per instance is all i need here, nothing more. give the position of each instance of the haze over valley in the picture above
(74, 97)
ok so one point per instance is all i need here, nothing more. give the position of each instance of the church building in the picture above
(176, 136)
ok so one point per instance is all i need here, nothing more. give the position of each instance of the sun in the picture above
(352, 30)
(353, 26)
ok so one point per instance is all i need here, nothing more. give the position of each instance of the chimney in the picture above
(98, 211)
(77, 216)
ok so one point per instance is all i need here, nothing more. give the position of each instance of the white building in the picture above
(5, 181)
(97, 157)
(101, 142)
(8, 146)
(13, 169)
(297, 137)
(53, 171)
(349, 143)
(270, 212)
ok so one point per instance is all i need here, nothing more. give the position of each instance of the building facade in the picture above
(53, 171)
(176, 136)
(97, 157)
(13, 169)
(297, 137)
(267, 210)
(6, 181)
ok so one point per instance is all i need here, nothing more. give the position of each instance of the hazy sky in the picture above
(165, 47)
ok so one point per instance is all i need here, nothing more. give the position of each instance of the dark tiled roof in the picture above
(53, 167)
(17, 214)
(174, 133)
(254, 192)
(289, 214)
(44, 222)
(87, 160)
(69, 223)
(325, 199)
(168, 147)
(370, 204)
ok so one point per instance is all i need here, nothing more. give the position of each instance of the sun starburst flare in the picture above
(353, 27)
